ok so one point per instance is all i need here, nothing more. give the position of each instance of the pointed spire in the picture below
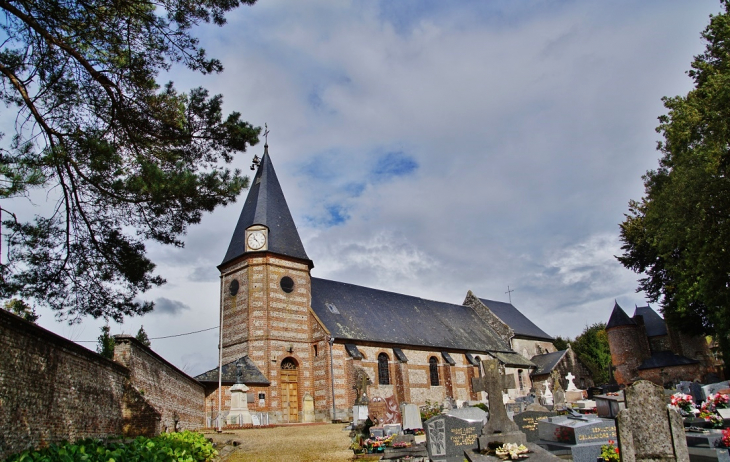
(619, 317)
(265, 205)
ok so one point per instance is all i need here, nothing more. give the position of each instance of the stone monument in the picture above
(307, 408)
(360, 408)
(239, 414)
(647, 430)
(499, 428)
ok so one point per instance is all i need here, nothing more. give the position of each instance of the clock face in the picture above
(256, 240)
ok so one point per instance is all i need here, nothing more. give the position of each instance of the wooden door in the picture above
(289, 392)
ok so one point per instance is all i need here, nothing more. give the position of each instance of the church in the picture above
(302, 340)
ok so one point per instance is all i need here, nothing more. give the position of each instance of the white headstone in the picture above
(571, 385)
(547, 396)
(411, 417)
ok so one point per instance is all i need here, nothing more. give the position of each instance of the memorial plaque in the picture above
(527, 421)
(448, 437)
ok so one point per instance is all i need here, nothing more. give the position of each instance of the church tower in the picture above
(266, 298)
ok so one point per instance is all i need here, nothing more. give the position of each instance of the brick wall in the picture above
(52, 389)
(177, 397)
(629, 348)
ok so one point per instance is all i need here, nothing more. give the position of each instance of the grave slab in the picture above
(411, 417)
(538, 454)
(470, 414)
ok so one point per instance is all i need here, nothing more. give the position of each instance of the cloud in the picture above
(166, 306)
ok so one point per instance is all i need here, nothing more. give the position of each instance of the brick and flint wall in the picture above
(178, 398)
(52, 389)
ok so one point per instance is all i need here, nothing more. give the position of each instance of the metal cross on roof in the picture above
(266, 134)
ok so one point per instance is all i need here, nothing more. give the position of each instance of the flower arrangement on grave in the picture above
(609, 452)
(716, 401)
(683, 401)
(725, 441)
(402, 444)
(565, 435)
(711, 417)
(512, 451)
(378, 443)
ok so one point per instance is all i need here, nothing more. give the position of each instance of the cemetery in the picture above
(641, 422)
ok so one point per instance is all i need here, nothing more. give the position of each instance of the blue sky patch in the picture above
(393, 164)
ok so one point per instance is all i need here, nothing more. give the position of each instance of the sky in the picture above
(436, 147)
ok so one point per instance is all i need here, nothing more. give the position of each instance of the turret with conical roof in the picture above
(628, 344)
(266, 206)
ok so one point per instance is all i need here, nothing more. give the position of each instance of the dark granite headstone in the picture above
(448, 437)
(564, 429)
(527, 421)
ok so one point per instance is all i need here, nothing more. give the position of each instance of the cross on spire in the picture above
(266, 134)
(509, 293)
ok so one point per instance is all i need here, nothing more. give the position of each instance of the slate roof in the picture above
(517, 321)
(356, 313)
(653, 323)
(665, 359)
(546, 362)
(251, 374)
(513, 359)
(266, 205)
(619, 318)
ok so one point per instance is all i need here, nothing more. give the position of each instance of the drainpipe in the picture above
(332, 379)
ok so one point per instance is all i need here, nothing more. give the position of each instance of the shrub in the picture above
(169, 447)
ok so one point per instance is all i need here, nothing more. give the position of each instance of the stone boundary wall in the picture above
(179, 398)
(52, 389)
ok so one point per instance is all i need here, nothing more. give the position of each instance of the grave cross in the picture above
(499, 427)
(480, 383)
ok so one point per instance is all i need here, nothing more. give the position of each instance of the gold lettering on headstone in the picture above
(530, 423)
(465, 436)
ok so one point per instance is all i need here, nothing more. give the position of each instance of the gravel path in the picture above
(292, 443)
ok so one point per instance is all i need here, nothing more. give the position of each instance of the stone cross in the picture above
(499, 428)
(555, 375)
(571, 385)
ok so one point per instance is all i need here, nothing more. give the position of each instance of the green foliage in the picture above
(168, 447)
(105, 343)
(482, 406)
(591, 347)
(677, 235)
(126, 158)
(22, 309)
(561, 343)
(429, 410)
(142, 337)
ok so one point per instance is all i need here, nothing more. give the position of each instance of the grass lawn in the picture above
(296, 443)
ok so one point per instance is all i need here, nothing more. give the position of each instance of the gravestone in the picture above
(583, 436)
(713, 388)
(647, 430)
(547, 397)
(536, 407)
(571, 385)
(411, 417)
(448, 437)
(527, 422)
(359, 414)
(499, 428)
(559, 398)
(555, 375)
(470, 414)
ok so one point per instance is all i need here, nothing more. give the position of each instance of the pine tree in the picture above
(142, 337)
(105, 345)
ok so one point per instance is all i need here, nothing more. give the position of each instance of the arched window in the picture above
(433, 367)
(383, 374)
